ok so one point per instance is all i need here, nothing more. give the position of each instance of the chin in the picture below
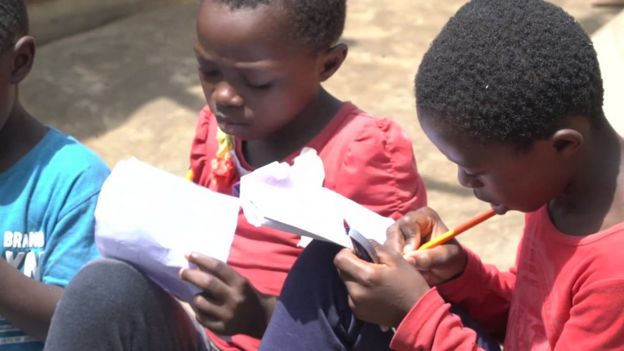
(238, 132)
(528, 208)
(500, 209)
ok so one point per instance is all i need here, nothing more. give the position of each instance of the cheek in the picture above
(279, 105)
(207, 88)
(300, 91)
(526, 193)
(516, 193)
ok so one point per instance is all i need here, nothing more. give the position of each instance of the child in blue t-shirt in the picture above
(49, 185)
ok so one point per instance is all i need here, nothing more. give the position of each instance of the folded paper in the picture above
(151, 218)
(292, 198)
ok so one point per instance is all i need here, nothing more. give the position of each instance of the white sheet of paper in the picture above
(292, 198)
(151, 218)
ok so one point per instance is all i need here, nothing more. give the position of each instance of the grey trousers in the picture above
(109, 305)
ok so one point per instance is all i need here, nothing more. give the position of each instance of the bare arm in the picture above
(27, 303)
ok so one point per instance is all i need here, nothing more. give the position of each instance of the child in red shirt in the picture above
(261, 65)
(510, 91)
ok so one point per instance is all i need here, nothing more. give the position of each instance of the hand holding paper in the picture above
(439, 264)
(151, 219)
(228, 304)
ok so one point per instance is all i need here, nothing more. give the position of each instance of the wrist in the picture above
(267, 305)
(409, 304)
(462, 262)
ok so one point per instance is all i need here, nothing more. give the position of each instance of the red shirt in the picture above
(567, 293)
(366, 159)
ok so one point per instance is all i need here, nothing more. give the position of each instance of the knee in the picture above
(107, 284)
(319, 254)
(314, 274)
(106, 273)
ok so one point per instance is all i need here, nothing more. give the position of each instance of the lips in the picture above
(223, 119)
(497, 207)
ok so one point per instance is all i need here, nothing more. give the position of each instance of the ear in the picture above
(331, 60)
(23, 58)
(567, 142)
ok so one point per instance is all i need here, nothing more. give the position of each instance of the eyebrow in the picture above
(454, 161)
(462, 164)
(250, 66)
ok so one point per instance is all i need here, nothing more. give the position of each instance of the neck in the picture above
(294, 135)
(594, 200)
(20, 134)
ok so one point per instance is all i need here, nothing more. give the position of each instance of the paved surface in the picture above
(609, 43)
(130, 88)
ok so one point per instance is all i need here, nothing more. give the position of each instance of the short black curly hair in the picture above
(315, 23)
(13, 22)
(509, 71)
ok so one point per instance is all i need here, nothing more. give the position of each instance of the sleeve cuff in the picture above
(417, 318)
(456, 289)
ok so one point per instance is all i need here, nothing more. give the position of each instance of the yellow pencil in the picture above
(456, 231)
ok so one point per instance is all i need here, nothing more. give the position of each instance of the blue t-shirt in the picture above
(47, 201)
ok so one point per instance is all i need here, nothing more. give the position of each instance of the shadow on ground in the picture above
(93, 82)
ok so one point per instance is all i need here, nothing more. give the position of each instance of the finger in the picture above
(207, 316)
(352, 268)
(417, 227)
(435, 226)
(394, 237)
(205, 307)
(352, 304)
(411, 231)
(213, 266)
(387, 255)
(211, 284)
(432, 258)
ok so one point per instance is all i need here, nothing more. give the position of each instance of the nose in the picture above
(466, 180)
(224, 94)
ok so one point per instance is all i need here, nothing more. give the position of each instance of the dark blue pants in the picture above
(313, 312)
(111, 306)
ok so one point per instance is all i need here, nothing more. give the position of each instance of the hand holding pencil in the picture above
(384, 292)
(450, 234)
(438, 263)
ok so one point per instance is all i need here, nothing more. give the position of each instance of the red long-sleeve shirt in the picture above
(567, 293)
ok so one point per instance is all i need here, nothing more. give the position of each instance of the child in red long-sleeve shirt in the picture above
(511, 92)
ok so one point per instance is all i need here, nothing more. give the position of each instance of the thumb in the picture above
(431, 258)
(420, 260)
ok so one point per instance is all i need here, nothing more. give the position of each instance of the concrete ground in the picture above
(130, 88)
(54, 19)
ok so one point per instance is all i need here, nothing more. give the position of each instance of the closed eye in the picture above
(471, 173)
(209, 73)
(262, 86)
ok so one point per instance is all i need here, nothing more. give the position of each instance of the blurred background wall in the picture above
(53, 19)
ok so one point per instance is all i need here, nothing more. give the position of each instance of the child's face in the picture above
(255, 77)
(498, 173)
